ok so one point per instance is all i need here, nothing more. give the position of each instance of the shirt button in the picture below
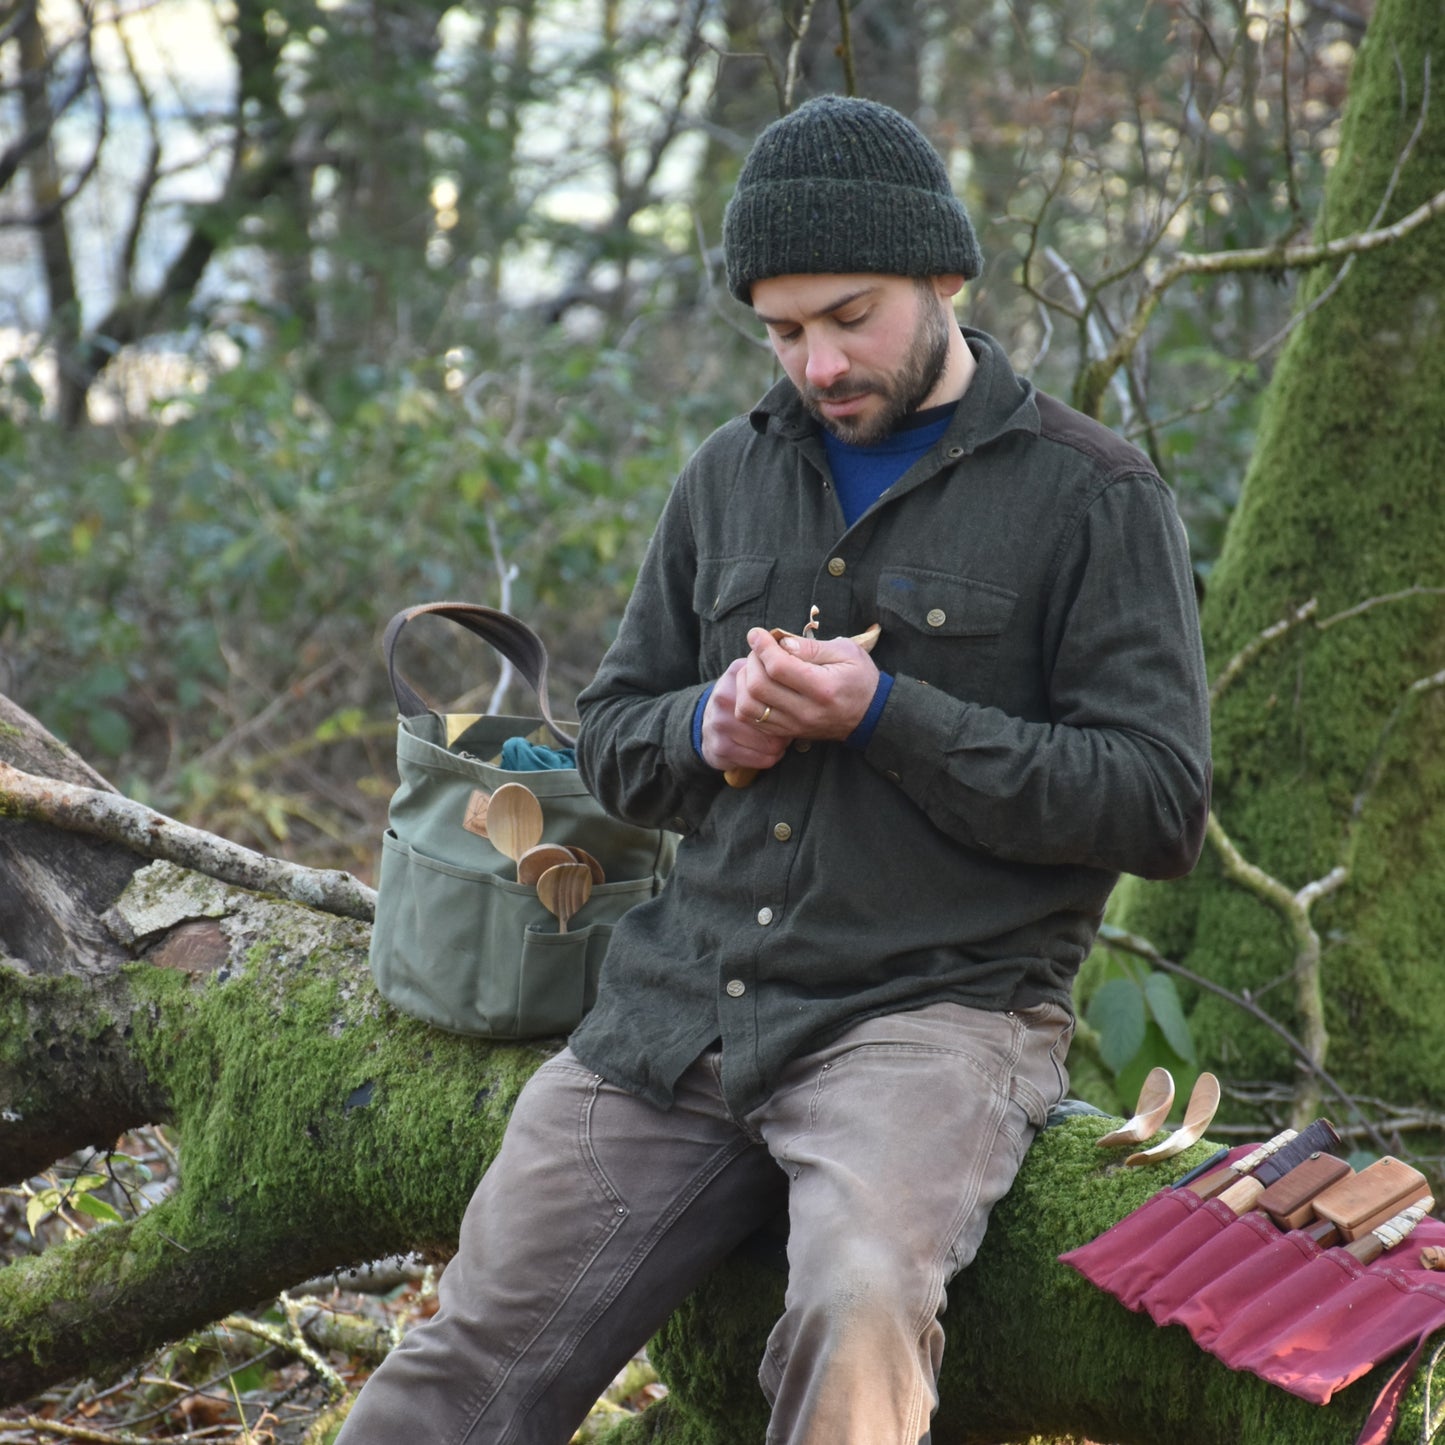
(837, 566)
(954, 453)
(892, 776)
(803, 744)
(736, 988)
(765, 916)
(937, 617)
(782, 832)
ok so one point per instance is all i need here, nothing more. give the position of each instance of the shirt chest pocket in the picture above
(943, 629)
(730, 595)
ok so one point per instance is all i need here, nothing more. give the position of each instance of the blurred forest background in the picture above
(311, 311)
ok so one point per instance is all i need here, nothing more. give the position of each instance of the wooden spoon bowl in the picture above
(565, 889)
(1198, 1115)
(536, 861)
(593, 866)
(514, 820)
(1155, 1100)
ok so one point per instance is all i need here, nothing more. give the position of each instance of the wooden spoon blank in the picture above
(1198, 1115)
(564, 889)
(1155, 1100)
(514, 820)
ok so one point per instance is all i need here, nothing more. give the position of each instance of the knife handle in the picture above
(1370, 1247)
(1213, 1184)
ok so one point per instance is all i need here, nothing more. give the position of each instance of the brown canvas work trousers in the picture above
(888, 1147)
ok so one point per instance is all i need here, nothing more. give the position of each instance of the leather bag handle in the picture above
(508, 636)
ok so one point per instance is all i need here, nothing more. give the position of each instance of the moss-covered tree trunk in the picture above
(1327, 746)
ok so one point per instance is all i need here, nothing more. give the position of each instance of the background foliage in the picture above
(326, 309)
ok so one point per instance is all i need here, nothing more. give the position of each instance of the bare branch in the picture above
(153, 835)
(1294, 908)
(845, 47)
(1360, 608)
(150, 174)
(1253, 648)
(1376, 766)
(795, 53)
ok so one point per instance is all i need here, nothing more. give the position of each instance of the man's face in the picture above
(863, 351)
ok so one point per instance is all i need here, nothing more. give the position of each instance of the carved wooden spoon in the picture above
(593, 866)
(564, 889)
(1155, 1100)
(1198, 1115)
(536, 861)
(514, 820)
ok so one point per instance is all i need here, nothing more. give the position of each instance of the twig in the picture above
(1283, 257)
(1096, 342)
(153, 835)
(845, 48)
(1372, 602)
(75, 1432)
(795, 53)
(1255, 646)
(1294, 909)
(293, 1342)
(1376, 765)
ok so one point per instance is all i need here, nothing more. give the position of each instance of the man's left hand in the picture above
(805, 687)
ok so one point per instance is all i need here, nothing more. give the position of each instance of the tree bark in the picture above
(1325, 743)
(318, 1129)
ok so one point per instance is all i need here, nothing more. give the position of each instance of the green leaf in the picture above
(39, 1206)
(97, 1208)
(109, 731)
(1168, 1013)
(1116, 1013)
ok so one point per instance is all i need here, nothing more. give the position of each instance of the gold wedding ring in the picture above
(763, 716)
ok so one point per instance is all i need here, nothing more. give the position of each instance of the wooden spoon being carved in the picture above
(564, 889)
(741, 777)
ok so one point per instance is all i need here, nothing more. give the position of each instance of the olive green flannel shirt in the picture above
(1048, 729)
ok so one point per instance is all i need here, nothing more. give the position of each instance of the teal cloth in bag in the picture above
(458, 942)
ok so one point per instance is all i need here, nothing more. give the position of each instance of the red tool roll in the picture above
(1307, 1319)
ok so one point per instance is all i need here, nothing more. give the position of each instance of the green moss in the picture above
(317, 1127)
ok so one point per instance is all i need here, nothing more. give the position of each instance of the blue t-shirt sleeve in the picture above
(861, 735)
(697, 713)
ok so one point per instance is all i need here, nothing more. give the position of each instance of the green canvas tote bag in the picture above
(459, 941)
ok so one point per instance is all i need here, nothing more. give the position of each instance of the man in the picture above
(853, 996)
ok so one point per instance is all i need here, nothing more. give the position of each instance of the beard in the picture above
(901, 393)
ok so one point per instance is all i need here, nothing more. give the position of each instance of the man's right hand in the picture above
(729, 741)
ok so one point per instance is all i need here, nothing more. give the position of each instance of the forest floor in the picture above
(272, 1376)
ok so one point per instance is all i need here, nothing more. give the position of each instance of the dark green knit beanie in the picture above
(843, 185)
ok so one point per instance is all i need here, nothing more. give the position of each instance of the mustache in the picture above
(839, 391)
